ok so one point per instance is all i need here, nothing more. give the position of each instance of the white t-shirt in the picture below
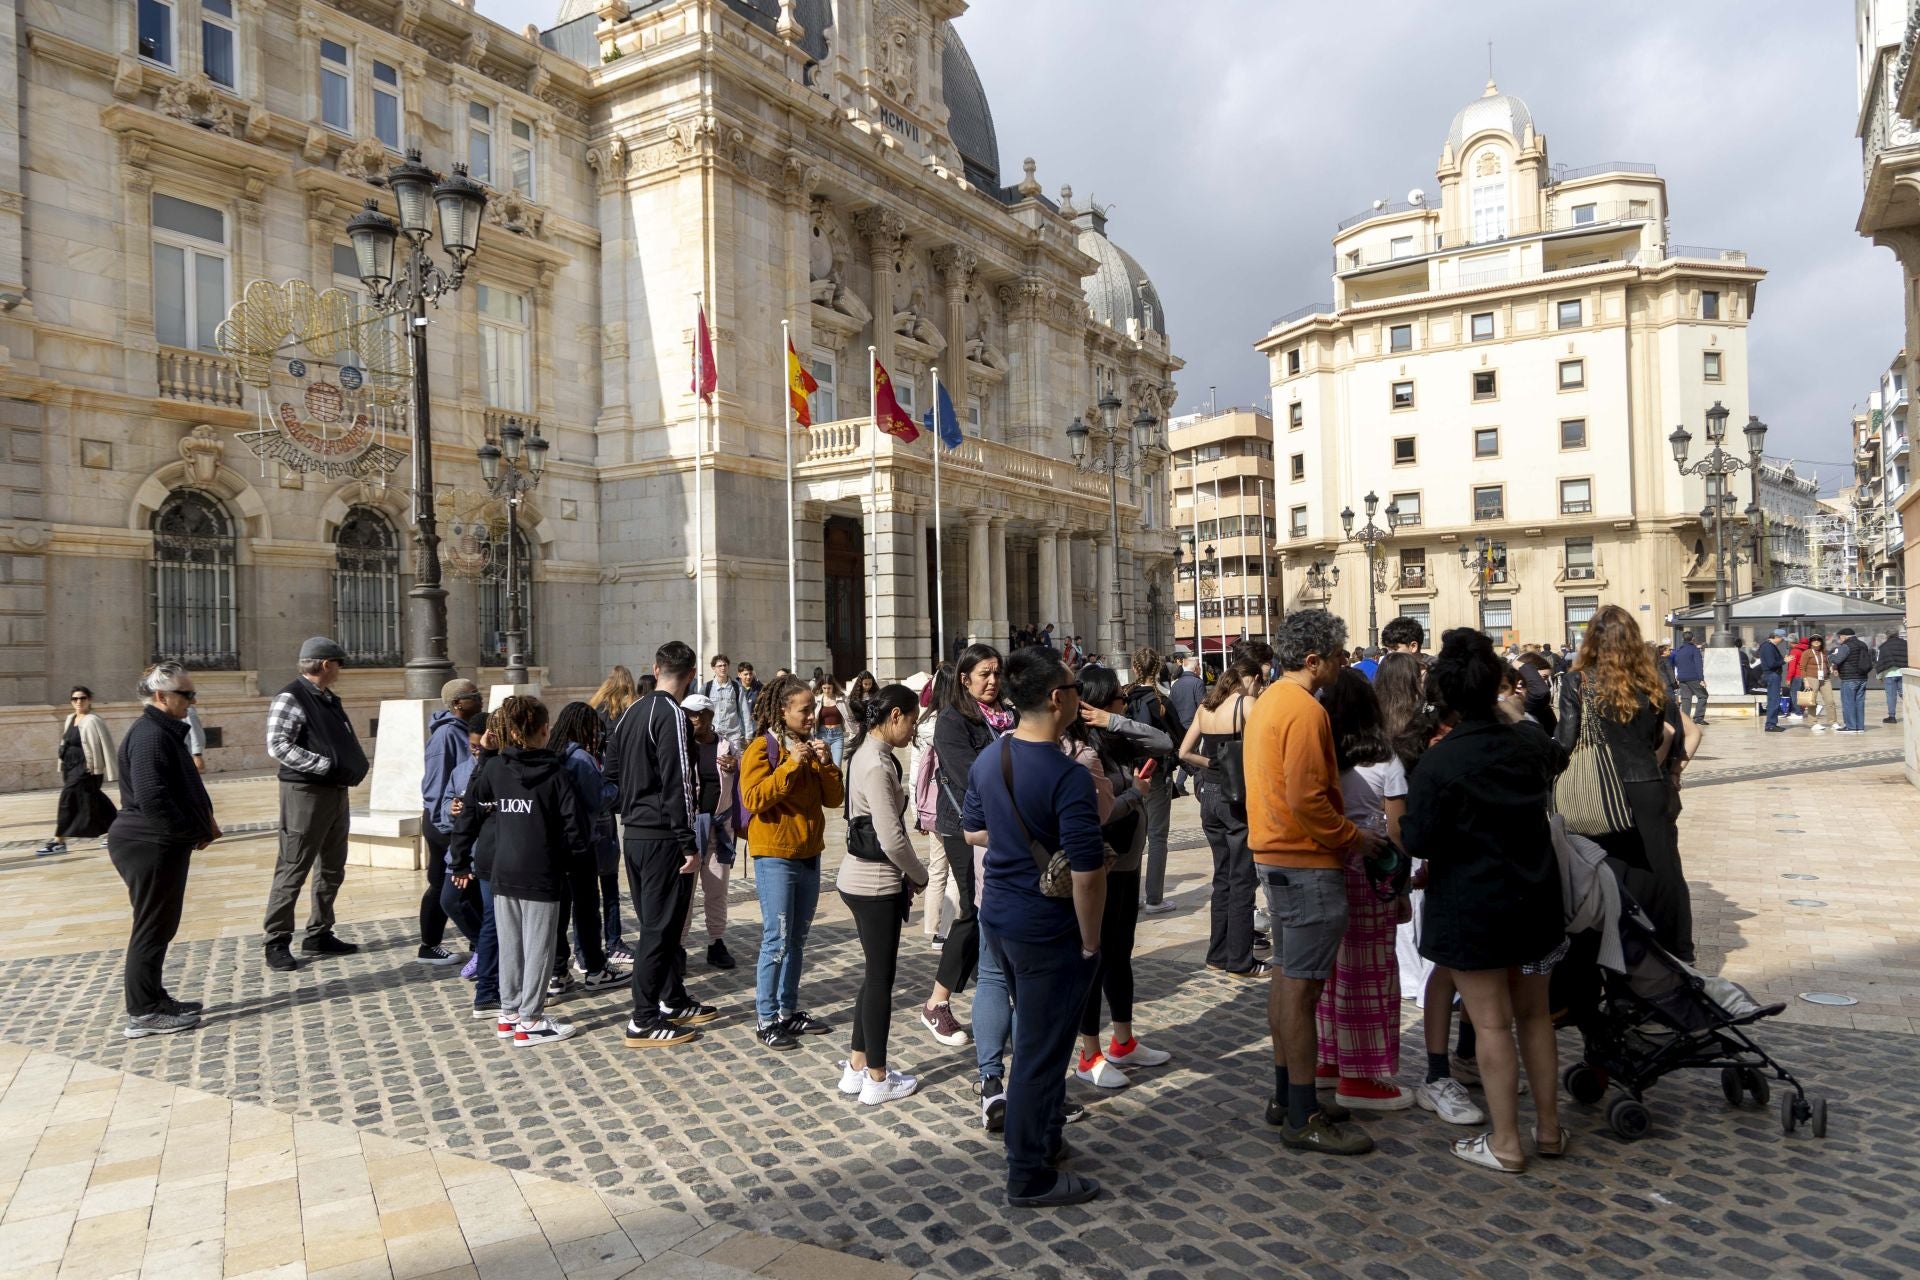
(1367, 789)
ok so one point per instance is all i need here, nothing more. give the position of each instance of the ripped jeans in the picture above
(789, 890)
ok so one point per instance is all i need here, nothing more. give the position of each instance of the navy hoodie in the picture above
(528, 804)
(446, 748)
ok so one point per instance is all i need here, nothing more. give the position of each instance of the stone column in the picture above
(1047, 550)
(1105, 594)
(1063, 555)
(979, 580)
(923, 593)
(897, 628)
(956, 264)
(883, 230)
(997, 527)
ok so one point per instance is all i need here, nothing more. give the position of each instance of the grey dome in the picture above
(1119, 290)
(969, 119)
(1491, 110)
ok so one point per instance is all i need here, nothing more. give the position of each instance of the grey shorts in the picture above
(1309, 911)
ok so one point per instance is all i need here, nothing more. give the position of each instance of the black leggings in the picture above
(1114, 975)
(433, 919)
(580, 894)
(961, 954)
(878, 921)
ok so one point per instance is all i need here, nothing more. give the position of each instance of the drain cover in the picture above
(1797, 875)
(1805, 902)
(1827, 997)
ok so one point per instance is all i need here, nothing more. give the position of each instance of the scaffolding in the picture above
(1838, 543)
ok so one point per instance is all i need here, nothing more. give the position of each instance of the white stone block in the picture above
(400, 755)
(499, 693)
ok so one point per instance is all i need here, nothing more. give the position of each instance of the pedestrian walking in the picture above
(717, 766)
(1690, 671)
(1817, 680)
(87, 762)
(165, 814)
(1215, 731)
(1891, 662)
(446, 748)
(310, 735)
(732, 706)
(196, 740)
(831, 715)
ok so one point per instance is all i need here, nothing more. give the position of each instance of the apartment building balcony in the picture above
(1574, 221)
(1582, 575)
(1889, 148)
(843, 448)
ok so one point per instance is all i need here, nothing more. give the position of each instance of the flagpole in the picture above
(793, 599)
(699, 512)
(939, 578)
(873, 506)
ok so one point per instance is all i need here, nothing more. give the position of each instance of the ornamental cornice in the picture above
(151, 141)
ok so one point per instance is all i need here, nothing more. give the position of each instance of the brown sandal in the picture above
(1558, 1149)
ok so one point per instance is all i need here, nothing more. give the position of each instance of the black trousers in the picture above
(465, 907)
(433, 916)
(1235, 883)
(156, 878)
(580, 894)
(961, 954)
(661, 899)
(1048, 982)
(878, 922)
(1113, 974)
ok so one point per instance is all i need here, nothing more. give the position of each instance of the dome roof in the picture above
(969, 119)
(1491, 110)
(1119, 290)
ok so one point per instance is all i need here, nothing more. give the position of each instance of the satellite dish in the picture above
(1379, 205)
(1416, 197)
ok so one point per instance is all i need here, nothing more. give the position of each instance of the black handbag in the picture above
(863, 842)
(1229, 762)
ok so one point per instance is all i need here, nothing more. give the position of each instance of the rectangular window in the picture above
(1710, 304)
(346, 264)
(1573, 433)
(386, 105)
(1497, 563)
(1409, 509)
(1489, 502)
(480, 142)
(1297, 466)
(1584, 214)
(1639, 208)
(1482, 326)
(1293, 360)
(1576, 497)
(504, 348)
(903, 395)
(189, 273)
(1710, 365)
(1496, 617)
(156, 31)
(976, 418)
(1400, 247)
(1573, 374)
(1403, 395)
(1296, 416)
(1297, 523)
(336, 87)
(219, 41)
(1400, 338)
(1580, 611)
(1421, 614)
(523, 157)
(1568, 314)
(1486, 384)
(1486, 442)
(1404, 453)
(825, 403)
(1413, 566)
(1211, 452)
(1579, 558)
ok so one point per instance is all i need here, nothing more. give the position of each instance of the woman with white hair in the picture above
(165, 814)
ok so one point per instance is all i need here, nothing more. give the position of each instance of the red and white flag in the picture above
(706, 374)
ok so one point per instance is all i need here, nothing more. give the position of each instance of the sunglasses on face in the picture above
(188, 694)
(80, 697)
(1062, 688)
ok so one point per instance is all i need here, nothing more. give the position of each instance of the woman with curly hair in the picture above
(615, 694)
(1614, 679)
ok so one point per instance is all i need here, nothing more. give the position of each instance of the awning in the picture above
(1799, 604)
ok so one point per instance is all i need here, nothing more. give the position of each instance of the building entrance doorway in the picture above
(844, 564)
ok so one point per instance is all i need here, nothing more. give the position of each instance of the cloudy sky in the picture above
(1229, 136)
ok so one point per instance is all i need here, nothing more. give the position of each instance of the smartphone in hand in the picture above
(1146, 770)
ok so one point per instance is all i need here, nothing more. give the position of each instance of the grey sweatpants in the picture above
(1157, 813)
(527, 932)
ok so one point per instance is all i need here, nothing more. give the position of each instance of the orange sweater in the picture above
(788, 801)
(1295, 817)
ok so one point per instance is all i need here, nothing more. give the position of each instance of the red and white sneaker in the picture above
(540, 1031)
(508, 1023)
(1325, 1077)
(1097, 1071)
(1135, 1054)
(1373, 1095)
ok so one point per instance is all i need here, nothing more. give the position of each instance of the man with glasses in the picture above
(309, 733)
(1025, 800)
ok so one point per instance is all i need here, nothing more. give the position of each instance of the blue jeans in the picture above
(1853, 704)
(835, 736)
(992, 1010)
(789, 891)
(1049, 981)
(1773, 699)
(1893, 696)
(610, 911)
(486, 953)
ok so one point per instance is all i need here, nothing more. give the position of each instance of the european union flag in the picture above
(949, 428)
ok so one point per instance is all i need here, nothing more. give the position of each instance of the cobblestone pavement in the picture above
(1196, 1183)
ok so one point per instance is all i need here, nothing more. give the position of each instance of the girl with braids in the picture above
(877, 880)
(1147, 705)
(578, 742)
(539, 829)
(787, 780)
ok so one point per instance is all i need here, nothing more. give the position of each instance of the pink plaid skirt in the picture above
(1358, 1017)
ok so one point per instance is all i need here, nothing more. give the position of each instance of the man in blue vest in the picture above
(309, 733)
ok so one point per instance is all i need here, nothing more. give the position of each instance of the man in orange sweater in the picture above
(1298, 832)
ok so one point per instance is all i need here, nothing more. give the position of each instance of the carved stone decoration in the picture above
(128, 75)
(828, 256)
(1486, 164)
(800, 178)
(1028, 188)
(366, 159)
(912, 312)
(897, 65)
(196, 101)
(203, 450)
(982, 323)
(789, 28)
(513, 212)
(407, 17)
(475, 48)
(608, 162)
(882, 227)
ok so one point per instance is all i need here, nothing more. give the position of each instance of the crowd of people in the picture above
(1378, 825)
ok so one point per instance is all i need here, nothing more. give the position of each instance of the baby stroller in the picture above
(1660, 1016)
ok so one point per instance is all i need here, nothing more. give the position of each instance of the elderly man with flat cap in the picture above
(309, 733)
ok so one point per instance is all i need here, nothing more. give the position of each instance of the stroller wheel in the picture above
(1629, 1118)
(1819, 1121)
(1585, 1084)
(1755, 1084)
(1789, 1114)
(1730, 1085)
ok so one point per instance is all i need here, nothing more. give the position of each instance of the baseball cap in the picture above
(454, 690)
(1780, 632)
(696, 702)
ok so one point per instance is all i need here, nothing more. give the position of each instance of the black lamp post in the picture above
(1369, 536)
(406, 288)
(1479, 558)
(1724, 465)
(1119, 459)
(509, 483)
(1323, 577)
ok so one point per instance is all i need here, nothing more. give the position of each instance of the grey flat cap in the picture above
(319, 648)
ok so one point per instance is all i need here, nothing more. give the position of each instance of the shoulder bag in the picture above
(1228, 760)
(1056, 872)
(1589, 794)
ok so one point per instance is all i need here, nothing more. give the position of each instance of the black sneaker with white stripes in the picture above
(690, 1015)
(775, 1036)
(656, 1034)
(601, 979)
(805, 1024)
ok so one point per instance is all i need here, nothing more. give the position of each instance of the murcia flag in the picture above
(887, 413)
(706, 374)
(800, 386)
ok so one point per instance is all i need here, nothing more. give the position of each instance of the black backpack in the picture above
(1145, 705)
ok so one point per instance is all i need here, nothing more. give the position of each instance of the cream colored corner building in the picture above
(830, 164)
(1504, 357)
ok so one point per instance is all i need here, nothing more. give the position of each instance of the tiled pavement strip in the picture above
(351, 1119)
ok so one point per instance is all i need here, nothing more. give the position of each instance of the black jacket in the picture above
(538, 825)
(650, 761)
(958, 740)
(1477, 811)
(1633, 743)
(1893, 655)
(1855, 659)
(161, 796)
(327, 731)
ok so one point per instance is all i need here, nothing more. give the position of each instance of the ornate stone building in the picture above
(831, 165)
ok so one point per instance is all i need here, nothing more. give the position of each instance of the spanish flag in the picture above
(800, 386)
(887, 413)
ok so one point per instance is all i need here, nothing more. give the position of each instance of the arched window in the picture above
(366, 588)
(191, 583)
(493, 597)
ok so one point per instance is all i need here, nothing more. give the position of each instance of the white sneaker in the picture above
(851, 1081)
(1262, 923)
(1102, 1074)
(1138, 1055)
(896, 1086)
(1819, 728)
(1156, 908)
(540, 1031)
(482, 1014)
(1448, 1099)
(601, 979)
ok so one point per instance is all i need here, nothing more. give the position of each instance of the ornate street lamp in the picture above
(1323, 577)
(511, 468)
(405, 287)
(1119, 459)
(1719, 463)
(1479, 559)
(1370, 536)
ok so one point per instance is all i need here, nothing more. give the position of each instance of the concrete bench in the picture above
(386, 838)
